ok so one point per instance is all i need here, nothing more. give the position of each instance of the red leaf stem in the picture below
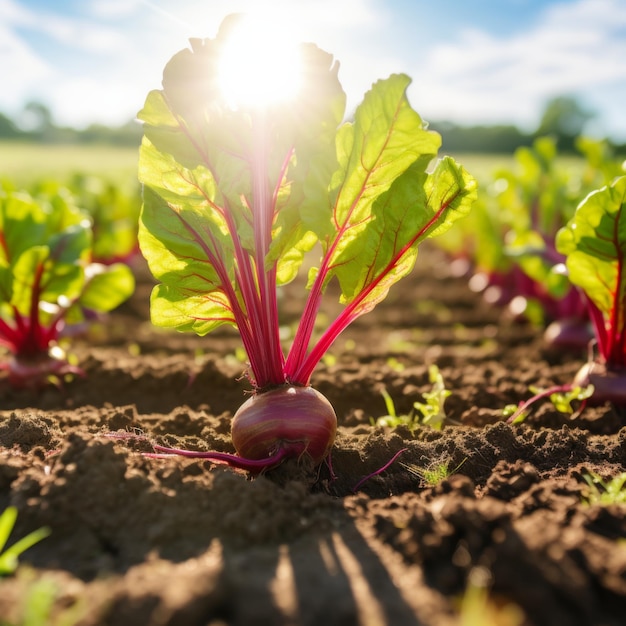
(303, 373)
(264, 207)
(9, 336)
(294, 370)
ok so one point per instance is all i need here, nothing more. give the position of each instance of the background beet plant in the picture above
(49, 284)
(508, 243)
(594, 242)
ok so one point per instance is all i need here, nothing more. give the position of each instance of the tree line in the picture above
(563, 118)
(36, 124)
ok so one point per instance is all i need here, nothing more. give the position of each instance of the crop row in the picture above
(237, 196)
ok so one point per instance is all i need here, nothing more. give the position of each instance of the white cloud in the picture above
(81, 34)
(343, 29)
(85, 100)
(25, 68)
(112, 9)
(13, 13)
(577, 48)
(35, 76)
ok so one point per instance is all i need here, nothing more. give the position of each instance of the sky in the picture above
(471, 61)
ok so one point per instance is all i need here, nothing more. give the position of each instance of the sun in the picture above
(260, 64)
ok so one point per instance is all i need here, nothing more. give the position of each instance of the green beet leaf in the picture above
(106, 286)
(594, 241)
(373, 154)
(43, 249)
(237, 197)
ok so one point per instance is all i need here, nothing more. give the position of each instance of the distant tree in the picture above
(501, 139)
(128, 134)
(564, 118)
(35, 124)
(36, 118)
(8, 130)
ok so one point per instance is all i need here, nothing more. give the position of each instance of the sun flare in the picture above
(260, 64)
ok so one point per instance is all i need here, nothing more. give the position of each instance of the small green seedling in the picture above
(9, 558)
(392, 419)
(40, 606)
(432, 410)
(434, 473)
(605, 492)
(561, 397)
(428, 413)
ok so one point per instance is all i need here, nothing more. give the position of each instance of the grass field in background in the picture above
(23, 163)
(484, 166)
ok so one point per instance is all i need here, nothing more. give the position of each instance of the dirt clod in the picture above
(172, 541)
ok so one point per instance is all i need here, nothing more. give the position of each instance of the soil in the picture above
(506, 538)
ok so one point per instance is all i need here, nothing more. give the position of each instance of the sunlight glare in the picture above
(260, 65)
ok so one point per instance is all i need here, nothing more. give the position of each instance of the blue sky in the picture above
(474, 62)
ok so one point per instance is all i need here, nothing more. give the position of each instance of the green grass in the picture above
(484, 166)
(9, 557)
(24, 163)
(605, 492)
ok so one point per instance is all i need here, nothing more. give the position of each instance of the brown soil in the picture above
(507, 538)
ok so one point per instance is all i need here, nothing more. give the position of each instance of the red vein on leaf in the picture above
(218, 265)
(302, 338)
(352, 310)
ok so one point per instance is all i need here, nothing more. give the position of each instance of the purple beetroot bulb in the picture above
(609, 384)
(299, 419)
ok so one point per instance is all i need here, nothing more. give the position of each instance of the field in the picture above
(483, 166)
(27, 162)
(481, 523)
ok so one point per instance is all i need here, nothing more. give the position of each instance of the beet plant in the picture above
(594, 242)
(541, 196)
(48, 285)
(509, 240)
(238, 194)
